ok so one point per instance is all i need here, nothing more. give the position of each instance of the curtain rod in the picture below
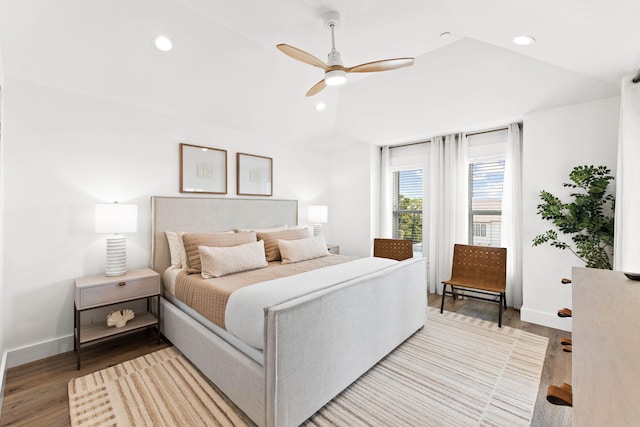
(408, 144)
(468, 134)
(636, 79)
(488, 131)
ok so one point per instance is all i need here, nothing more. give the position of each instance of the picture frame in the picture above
(254, 175)
(203, 170)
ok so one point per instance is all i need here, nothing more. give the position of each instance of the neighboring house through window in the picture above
(485, 202)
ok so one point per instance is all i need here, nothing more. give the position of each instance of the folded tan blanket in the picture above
(209, 296)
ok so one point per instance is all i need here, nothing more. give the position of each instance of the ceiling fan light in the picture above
(335, 77)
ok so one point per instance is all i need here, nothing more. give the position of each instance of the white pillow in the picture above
(262, 230)
(176, 249)
(298, 227)
(302, 249)
(220, 261)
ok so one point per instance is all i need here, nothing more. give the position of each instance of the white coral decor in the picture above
(120, 318)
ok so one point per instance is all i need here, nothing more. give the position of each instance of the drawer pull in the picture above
(122, 283)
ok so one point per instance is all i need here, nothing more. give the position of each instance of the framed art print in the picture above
(254, 175)
(203, 170)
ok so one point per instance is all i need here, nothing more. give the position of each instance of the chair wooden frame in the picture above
(480, 270)
(398, 249)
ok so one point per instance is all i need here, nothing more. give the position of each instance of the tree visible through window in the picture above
(407, 206)
(485, 204)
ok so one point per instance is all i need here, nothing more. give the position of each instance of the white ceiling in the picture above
(225, 69)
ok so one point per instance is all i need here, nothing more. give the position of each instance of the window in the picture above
(479, 229)
(407, 206)
(485, 204)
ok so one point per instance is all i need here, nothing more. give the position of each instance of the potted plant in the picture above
(588, 219)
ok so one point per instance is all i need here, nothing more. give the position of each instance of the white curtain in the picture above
(386, 196)
(448, 204)
(627, 216)
(511, 231)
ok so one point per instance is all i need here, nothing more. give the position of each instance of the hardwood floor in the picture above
(36, 393)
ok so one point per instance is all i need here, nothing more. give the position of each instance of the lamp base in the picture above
(116, 255)
(317, 230)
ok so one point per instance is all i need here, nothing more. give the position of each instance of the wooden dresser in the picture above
(606, 348)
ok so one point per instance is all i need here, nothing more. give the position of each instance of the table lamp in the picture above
(116, 218)
(318, 215)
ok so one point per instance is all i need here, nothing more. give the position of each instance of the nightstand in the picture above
(100, 291)
(333, 249)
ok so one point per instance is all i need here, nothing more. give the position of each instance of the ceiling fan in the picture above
(335, 73)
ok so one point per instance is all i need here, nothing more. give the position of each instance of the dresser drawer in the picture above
(117, 291)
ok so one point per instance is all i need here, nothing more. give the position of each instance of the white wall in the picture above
(352, 209)
(62, 154)
(555, 141)
(2, 346)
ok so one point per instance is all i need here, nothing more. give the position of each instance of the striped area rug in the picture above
(457, 371)
(158, 389)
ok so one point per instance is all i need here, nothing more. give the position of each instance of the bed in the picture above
(314, 345)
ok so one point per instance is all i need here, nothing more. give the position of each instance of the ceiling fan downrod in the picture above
(333, 57)
(331, 22)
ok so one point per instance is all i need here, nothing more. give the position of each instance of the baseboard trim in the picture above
(33, 352)
(544, 318)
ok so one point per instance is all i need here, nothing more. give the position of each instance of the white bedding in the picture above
(244, 315)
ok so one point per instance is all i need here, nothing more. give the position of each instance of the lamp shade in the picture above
(116, 218)
(318, 214)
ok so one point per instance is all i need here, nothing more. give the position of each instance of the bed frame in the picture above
(315, 345)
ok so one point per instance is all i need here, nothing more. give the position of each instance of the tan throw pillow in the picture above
(221, 261)
(193, 240)
(271, 248)
(303, 249)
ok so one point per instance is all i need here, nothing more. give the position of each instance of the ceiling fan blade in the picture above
(316, 88)
(301, 55)
(384, 65)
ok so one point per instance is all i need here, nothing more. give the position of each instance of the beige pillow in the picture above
(193, 240)
(221, 261)
(302, 249)
(271, 248)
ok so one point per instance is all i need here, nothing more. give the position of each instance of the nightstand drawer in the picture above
(117, 291)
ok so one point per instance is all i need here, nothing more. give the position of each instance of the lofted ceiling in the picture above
(225, 69)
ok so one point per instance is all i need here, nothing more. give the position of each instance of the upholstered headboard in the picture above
(199, 214)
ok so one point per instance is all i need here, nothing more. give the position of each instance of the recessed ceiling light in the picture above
(445, 35)
(321, 106)
(163, 43)
(524, 40)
